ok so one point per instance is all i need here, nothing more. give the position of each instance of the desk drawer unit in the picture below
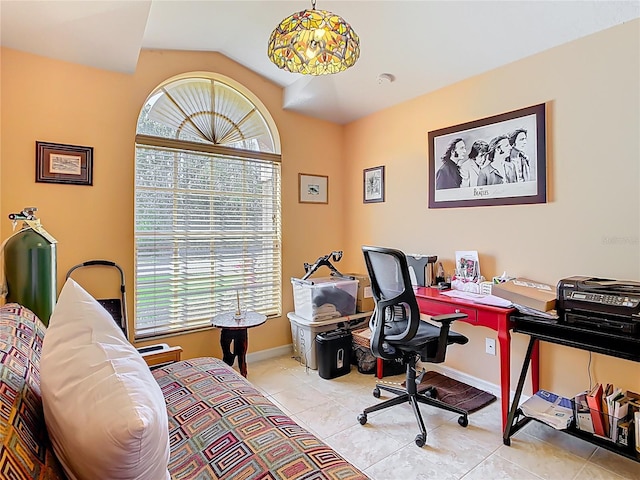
(433, 308)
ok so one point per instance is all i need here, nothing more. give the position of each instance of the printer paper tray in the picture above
(608, 324)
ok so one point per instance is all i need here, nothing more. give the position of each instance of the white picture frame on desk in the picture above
(467, 266)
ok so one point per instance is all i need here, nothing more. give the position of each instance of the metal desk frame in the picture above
(598, 341)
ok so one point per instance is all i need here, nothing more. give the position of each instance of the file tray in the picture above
(618, 431)
(616, 428)
(324, 298)
(563, 413)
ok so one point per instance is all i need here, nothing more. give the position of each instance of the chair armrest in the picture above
(448, 317)
(445, 320)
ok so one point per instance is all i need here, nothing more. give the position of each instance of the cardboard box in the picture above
(365, 305)
(364, 298)
(529, 293)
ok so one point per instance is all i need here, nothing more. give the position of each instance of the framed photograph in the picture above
(313, 188)
(373, 185)
(467, 266)
(499, 160)
(58, 163)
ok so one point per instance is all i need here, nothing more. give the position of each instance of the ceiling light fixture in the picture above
(314, 42)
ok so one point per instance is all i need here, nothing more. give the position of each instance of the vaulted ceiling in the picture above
(425, 45)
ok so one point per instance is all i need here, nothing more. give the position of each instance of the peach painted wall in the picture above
(591, 222)
(54, 101)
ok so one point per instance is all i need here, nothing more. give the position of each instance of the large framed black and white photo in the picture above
(498, 160)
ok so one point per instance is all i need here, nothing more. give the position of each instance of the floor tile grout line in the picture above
(357, 386)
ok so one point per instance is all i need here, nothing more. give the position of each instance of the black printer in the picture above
(600, 304)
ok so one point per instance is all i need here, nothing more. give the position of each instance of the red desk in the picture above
(432, 302)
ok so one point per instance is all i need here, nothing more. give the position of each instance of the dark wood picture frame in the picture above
(373, 185)
(67, 164)
(528, 188)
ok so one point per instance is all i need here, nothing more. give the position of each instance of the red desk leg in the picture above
(379, 367)
(504, 339)
(432, 302)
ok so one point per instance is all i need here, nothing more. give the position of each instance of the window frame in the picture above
(220, 152)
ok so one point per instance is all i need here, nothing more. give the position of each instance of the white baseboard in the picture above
(270, 353)
(471, 380)
(463, 377)
(449, 372)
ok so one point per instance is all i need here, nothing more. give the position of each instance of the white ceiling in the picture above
(425, 44)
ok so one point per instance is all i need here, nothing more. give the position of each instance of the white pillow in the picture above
(104, 411)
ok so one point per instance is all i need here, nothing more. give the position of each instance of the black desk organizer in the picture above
(599, 341)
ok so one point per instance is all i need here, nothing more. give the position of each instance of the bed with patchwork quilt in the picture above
(219, 425)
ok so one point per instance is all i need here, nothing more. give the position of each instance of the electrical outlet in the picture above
(490, 346)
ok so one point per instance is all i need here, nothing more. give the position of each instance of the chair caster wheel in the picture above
(431, 392)
(376, 392)
(463, 421)
(362, 418)
(421, 439)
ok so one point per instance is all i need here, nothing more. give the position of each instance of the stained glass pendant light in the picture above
(314, 42)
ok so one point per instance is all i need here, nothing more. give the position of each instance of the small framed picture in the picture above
(467, 266)
(313, 188)
(373, 185)
(58, 163)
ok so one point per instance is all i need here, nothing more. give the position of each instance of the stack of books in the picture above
(609, 413)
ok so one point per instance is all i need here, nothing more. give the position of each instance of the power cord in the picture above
(589, 372)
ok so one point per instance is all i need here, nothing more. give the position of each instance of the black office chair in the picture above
(397, 332)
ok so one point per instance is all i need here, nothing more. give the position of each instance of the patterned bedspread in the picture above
(220, 426)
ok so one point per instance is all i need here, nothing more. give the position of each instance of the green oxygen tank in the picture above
(30, 266)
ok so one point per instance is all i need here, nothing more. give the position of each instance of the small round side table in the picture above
(235, 329)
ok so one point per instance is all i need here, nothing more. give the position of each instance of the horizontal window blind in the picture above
(207, 230)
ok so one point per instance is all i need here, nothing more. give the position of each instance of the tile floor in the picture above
(384, 448)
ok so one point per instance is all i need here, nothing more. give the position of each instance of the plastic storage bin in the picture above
(304, 332)
(324, 298)
(334, 353)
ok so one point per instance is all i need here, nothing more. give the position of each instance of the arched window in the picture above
(207, 207)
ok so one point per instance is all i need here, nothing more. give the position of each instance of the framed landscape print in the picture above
(499, 160)
(58, 163)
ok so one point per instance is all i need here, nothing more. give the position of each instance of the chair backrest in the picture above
(396, 317)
